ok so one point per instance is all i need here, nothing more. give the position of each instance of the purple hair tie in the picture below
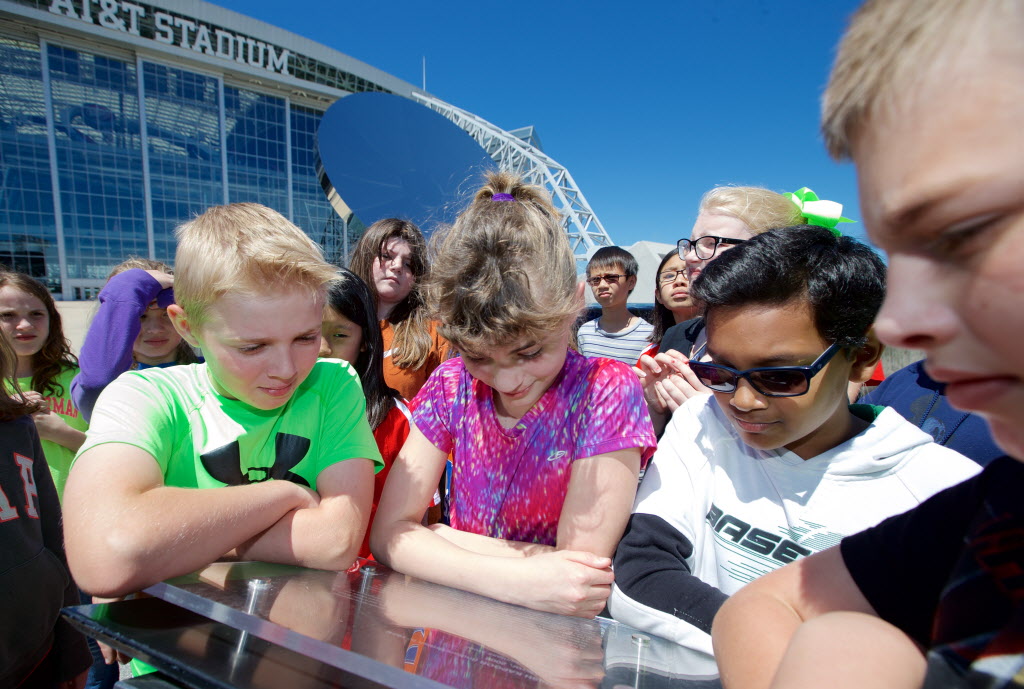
(503, 197)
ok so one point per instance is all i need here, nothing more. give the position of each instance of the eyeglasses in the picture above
(670, 276)
(705, 247)
(770, 381)
(610, 278)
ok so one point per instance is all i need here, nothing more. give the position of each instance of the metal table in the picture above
(256, 625)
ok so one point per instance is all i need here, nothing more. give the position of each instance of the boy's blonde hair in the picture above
(891, 45)
(760, 209)
(504, 271)
(243, 248)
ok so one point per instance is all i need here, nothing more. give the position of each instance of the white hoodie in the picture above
(746, 512)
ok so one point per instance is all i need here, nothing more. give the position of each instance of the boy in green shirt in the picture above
(249, 288)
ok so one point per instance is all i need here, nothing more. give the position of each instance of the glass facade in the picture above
(311, 211)
(101, 157)
(28, 237)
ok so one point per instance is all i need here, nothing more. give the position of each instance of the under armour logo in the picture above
(224, 463)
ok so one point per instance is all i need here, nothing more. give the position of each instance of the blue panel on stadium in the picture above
(382, 156)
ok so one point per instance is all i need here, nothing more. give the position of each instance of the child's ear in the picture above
(181, 323)
(630, 284)
(866, 358)
(581, 288)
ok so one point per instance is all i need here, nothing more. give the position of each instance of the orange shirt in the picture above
(409, 381)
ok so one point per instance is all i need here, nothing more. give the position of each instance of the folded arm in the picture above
(126, 530)
(754, 628)
(574, 579)
(653, 575)
(328, 535)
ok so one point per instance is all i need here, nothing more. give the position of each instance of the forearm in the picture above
(412, 548)
(657, 589)
(485, 545)
(750, 635)
(320, 537)
(65, 436)
(165, 532)
(850, 650)
(753, 630)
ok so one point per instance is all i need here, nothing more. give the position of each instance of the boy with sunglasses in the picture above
(775, 464)
(617, 333)
(927, 98)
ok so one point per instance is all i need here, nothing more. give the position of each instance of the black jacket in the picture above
(34, 579)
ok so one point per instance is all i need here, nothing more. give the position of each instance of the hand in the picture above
(567, 582)
(36, 398)
(678, 386)
(50, 425)
(650, 371)
(166, 280)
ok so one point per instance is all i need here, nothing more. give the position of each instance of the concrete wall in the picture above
(75, 317)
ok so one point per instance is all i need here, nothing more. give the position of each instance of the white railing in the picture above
(511, 153)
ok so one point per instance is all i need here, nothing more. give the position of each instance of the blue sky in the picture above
(647, 104)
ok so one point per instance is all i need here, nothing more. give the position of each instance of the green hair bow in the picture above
(816, 211)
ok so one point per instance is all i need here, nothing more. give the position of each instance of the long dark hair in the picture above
(349, 296)
(55, 356)
(411, 345)
(661, 318)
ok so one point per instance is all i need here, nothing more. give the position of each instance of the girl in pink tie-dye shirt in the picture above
(545, 444)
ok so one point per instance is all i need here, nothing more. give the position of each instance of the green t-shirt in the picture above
(202, 439)
(57, 456)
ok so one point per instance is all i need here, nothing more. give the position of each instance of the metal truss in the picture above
(512, 153)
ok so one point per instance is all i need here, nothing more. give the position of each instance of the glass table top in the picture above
(399, 631)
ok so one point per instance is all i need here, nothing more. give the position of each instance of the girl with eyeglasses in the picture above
(546, 444)
(726, 217)
(672, 301)
(390, 258)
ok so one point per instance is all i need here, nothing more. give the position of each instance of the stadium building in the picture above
(119, 119)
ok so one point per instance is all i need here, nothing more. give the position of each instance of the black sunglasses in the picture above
(770, 381)
(610, 278)
(704, 247)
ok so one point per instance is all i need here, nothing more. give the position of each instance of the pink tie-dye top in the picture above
(510, 483)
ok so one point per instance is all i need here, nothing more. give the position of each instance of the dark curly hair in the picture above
(842, 279)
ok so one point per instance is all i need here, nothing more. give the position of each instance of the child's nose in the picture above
(915, 318)
(746, 398)
(325, 346)
(283, 366)
(507, 380)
